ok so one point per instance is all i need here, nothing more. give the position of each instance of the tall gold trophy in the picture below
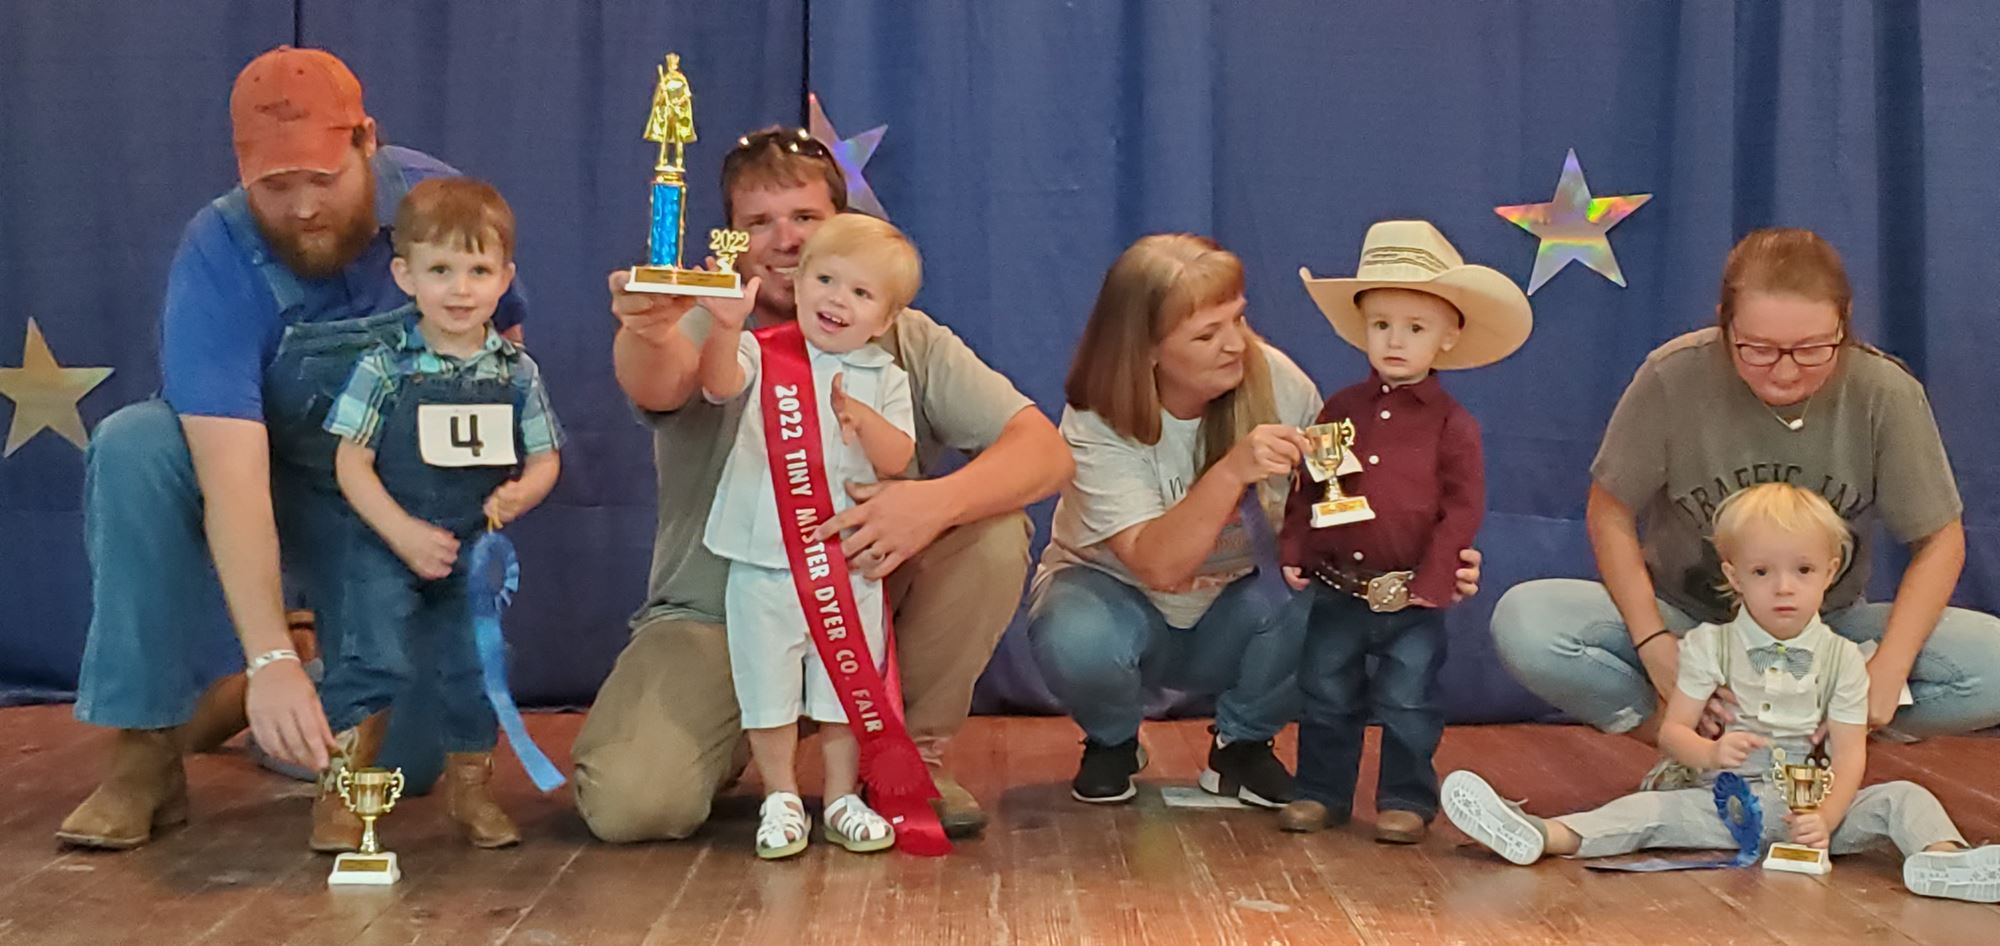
(1803, 786)
(1332, 455)
(370, 794)
(671, 124)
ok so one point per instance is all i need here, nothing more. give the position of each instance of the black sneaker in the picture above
(1105, 774)
(1249, 772)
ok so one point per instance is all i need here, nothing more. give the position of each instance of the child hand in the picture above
(1421, 601)
(733, 313)
(508, 502)
(848, 411)
(427, 549)
(1734, 748)
(1294, 578)
(1808, 828)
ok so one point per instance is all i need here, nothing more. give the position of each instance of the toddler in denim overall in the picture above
(434, 426)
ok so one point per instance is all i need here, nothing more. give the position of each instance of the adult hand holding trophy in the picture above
(671, 125)
(1333, 456)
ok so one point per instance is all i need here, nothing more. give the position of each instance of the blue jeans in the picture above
(159, 633)
(413, 629)
(1407, 648)
(1564, 640)
(397, 627)
(1100, 644)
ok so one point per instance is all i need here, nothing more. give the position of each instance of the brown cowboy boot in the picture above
(336, 830)
(218, 715)
(957, 810)
(144, 788)
(469, 802)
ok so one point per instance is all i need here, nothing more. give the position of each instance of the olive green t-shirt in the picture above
(961, 404)
(1688, 432)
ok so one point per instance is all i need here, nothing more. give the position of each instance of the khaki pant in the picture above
(664, 737)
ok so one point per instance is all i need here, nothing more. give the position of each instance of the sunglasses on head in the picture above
(795, 140)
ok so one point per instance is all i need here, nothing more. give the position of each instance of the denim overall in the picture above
(403, 626)
(159, 632)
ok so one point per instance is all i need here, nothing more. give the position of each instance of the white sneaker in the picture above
(1668, 775)
(1972, 874)
(1479, 811)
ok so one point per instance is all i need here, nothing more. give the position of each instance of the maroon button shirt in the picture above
(1422, 473)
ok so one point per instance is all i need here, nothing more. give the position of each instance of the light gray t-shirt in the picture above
(1121, 483)
(961, 404)
(1688, 432)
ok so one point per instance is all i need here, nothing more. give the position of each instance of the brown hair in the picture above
(886, 253)
(1154, 285)
(458, 212)
(778, 157)
(1786, 260)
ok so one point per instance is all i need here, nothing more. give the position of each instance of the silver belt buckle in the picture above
(1389, 593)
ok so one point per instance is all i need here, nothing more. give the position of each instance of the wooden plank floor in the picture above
(1049, 870)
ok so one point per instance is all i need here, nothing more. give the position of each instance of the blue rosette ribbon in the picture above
(1738, 807)
(492, 577)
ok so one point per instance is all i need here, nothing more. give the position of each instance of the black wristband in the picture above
(1649, 639)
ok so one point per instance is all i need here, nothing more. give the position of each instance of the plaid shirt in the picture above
(357, 415)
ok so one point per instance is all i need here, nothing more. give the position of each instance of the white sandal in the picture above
(783, 827)
(853, 825)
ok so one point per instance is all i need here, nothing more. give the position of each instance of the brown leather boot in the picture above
(336, 830)
(469, 802)
(144, 788)
(218, 715)
(958, 812)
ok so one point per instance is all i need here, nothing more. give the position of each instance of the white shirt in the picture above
(1121, 483)
(1773, 702)
(743, 518)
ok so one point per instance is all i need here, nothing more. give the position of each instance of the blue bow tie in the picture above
(1796, 661)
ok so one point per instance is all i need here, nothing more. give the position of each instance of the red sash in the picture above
(899, 786)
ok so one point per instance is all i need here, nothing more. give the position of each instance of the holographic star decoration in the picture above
(851, 154)
(1573, 227)
(45, 394)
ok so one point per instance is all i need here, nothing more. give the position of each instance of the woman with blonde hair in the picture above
(1175, 408)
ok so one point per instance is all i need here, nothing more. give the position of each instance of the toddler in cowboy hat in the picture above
(1378, 561)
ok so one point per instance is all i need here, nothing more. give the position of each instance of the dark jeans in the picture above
(1341, 688)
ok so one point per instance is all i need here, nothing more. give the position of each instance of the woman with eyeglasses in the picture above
(1778, 390)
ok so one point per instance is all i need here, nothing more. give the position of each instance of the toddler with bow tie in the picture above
(1798, 686)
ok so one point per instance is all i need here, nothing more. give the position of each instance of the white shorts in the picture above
(772, 658)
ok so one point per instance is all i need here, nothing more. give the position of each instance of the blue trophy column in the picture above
(664, 248)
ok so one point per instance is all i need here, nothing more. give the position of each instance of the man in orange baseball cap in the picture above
(278, 285)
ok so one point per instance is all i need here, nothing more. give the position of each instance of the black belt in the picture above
(1385, 592)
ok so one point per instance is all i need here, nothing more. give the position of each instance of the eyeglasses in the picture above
(795, 140)
(1805, 356)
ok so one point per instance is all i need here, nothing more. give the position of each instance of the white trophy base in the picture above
(1340, 512)
(1798, 859)
(667, 280)
(364, 870)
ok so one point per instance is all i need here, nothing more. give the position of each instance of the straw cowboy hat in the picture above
(1412, 254)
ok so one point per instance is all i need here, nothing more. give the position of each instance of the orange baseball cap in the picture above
(293, 109)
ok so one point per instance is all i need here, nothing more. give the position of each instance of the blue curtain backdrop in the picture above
(1028, 142)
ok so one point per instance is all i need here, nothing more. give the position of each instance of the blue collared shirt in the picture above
(357, 414)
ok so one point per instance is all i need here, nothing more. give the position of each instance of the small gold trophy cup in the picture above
(671, 124)
(1333, 445)
(1803, 786)
(370, 794)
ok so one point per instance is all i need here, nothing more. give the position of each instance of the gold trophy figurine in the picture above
(370, 794)
(1803, 787)
(671, 125)
(1331, 457)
